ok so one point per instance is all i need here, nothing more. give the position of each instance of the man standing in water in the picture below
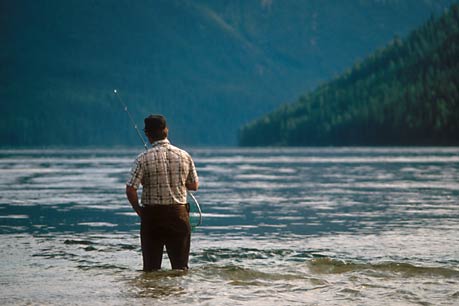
(166, 173)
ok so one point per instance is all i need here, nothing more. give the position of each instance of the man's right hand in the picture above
(192, 186)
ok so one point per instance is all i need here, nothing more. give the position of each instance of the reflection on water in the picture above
(157, 285)
(322, 226)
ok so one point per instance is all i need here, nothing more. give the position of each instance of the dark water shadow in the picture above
(64, 218)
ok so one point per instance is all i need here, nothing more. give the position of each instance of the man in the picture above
(166, 173)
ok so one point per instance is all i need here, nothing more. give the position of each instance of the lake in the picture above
(281, 226)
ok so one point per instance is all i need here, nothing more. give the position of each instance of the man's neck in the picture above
(158, 141)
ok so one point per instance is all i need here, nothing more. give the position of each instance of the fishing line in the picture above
(130, 118)
(198, 207)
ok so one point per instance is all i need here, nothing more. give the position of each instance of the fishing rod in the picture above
(146, 149)
(130, 118)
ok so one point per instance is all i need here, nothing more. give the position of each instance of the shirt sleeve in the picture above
(137, 171)
(192, 174)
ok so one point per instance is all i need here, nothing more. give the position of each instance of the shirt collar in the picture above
(161, 142)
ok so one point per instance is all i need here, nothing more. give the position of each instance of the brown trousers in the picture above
(165, 225)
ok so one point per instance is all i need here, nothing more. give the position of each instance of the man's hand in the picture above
(133, 198)
(192, 186)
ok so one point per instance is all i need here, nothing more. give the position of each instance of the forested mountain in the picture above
(209, 66)
(404, 94)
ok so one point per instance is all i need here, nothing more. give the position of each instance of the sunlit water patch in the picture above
(282, 226)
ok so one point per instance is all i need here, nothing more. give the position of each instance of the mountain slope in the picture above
(209, 66)
(406, 93)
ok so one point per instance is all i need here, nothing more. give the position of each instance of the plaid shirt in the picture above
(163, 171)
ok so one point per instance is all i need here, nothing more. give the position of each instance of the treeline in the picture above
(404, 94)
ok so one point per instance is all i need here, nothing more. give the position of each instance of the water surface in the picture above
(296, 226)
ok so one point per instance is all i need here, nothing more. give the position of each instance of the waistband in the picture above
(163, 205)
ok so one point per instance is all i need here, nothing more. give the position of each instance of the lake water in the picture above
(309, 226)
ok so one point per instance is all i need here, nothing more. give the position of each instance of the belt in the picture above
(163, 205)
(166, 206)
